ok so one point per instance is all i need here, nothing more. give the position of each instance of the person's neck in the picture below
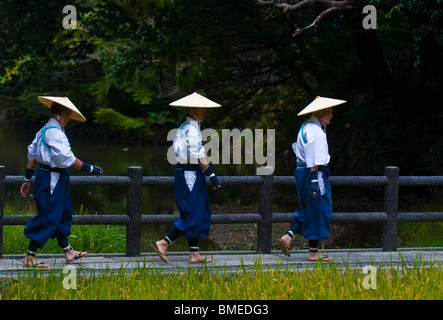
(61, 121)
(321, 120)
(193, 118)
(58, 119)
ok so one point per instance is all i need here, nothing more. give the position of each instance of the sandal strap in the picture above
(31, 253)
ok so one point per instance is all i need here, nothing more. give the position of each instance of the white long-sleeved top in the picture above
(311, 146)
(59, 153)
(188, 145)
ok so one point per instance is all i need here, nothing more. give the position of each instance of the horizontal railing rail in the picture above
(264, 218)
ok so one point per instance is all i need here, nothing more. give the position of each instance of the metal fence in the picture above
(265, 217)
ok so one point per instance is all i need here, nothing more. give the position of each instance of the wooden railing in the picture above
(265, 217)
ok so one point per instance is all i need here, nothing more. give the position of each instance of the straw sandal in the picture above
(77, 256)
(160, 254)
(284, 248)
(206, 260)
(323, 258)
(37, 264)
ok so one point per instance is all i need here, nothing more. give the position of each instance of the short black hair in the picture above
(57, 108)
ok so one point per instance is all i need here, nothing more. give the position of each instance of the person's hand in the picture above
(214, 180)
(91, 169)
(313, 186)
(25, 188)
(97, 171)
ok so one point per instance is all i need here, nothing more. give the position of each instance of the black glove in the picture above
(313, 187)
(92, 169)
(210, 173)
(28, 175)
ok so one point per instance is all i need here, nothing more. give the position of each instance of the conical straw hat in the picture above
(195, 100)
(64, 101)
(320, 103)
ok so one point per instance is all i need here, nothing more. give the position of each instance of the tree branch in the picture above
(320, 17)
(305, 3)
(298, 5)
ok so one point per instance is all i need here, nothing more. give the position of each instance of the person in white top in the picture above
(311, 175)
(190, 188)
(52, 152)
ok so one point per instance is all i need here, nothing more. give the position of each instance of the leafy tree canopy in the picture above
(126, 61)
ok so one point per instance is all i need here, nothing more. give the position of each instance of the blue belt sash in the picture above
(187, 167)
(45, 167)
(320, 167)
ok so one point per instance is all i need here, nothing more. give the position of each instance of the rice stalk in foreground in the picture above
(420, 281)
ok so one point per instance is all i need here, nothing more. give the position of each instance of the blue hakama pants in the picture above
(312, 221)
(54, 218)
(195, 212)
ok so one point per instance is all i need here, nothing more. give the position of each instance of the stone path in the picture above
(10, 265)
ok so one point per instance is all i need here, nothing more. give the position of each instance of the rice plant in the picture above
(323, 281)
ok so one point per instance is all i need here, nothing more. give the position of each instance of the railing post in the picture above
(391, 209)
(264, 229)
(2, 197)
(134, 228)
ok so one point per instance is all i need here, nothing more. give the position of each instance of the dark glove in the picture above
(92, 169)
(28, 175)
(214, 180)
(313, 187)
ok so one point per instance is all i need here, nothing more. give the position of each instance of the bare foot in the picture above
(161, 247)
(198, 258)
(313, 256)
(31, 261)
(73, 255)
(285, 244)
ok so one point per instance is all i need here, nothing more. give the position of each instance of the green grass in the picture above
(112, 238)
(421, 234)
(90, 238)
(422, 281)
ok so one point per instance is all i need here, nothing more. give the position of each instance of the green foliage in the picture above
(422, 281)
(90, 238)
(129, 59)
(120, 123)
(93, 239)
(421, 234)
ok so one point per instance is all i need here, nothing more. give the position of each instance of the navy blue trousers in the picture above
(195, 212)
(54, 218)
(313, 220)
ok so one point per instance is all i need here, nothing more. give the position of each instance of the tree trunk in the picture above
(373, 62)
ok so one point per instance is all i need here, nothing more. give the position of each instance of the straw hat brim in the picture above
(320, 103)
(64, 101)
(195, 100)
